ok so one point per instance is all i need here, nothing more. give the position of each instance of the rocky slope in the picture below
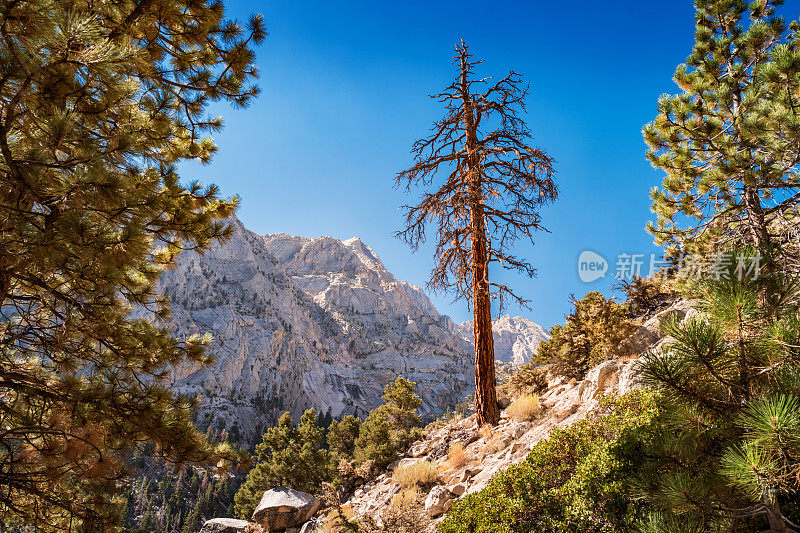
(515, 338)
(486, 451)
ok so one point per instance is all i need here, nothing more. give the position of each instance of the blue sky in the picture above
(344, 95)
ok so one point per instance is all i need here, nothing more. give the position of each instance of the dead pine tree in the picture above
(482, 187)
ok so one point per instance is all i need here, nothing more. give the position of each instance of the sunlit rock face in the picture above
(308, 322)
(516, 338)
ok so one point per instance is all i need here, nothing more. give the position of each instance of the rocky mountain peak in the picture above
(303, 322)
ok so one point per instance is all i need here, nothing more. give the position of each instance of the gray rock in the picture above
(309, 526)
(520, 430)
(407, 461)
(225, 525)
(458, 489)
(650, 332)
(436, 502)
(603, 376)
(420, 449)
(630, 378)
(317, 320)
(281, 508)
(516, 339)
(468, 473)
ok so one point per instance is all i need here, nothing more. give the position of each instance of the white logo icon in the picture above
(591, 266)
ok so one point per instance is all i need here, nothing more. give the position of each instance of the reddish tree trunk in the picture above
(485, 393)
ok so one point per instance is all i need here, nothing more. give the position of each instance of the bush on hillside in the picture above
(342, 435)
(575, 480)
(525, 408)
(529, 378)
(646, 296)
(418, 474)
(591, 334)
(289, 456)
(392, 427)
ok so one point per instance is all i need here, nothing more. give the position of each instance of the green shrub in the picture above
(342, 435)
(288, 456)
(592, 334)
(529, 378)
(728, 455)
(392, 427)
(575, 480)
(646, 296)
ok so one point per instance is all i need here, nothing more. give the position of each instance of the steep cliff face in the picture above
(317, 322)
(301, 323)
(515, 338)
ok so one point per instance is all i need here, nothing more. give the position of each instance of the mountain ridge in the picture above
(303, 322)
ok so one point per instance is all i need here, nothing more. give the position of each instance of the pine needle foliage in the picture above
(591, 334)
(728, 142)
(727, 455)
(99, 103)
(391, 427)
(288, 456)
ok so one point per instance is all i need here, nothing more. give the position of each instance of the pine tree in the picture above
(99, 103)
(290, 456)
(342, 435)
(728, 142)
(493, 185)
(591, 334)
(728, 451)
(391, 427)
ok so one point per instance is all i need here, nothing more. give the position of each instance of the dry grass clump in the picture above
(456, 454)
(406, 498)
(419, 474)
(493, 440)
(406, 514)
(525, 408)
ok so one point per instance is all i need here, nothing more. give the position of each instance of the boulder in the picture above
(503, 402)
(420, 449)
(225, 525)
(436, 502)
(458, 489)
(602, 377)
(467, 474)
(407, 461)
(629, 378)
(309, 526)
(281, 508)
(650, 332)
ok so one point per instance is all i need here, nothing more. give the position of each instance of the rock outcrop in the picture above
(315, 322)
(226, 525)
(516, 338)
(281, 508)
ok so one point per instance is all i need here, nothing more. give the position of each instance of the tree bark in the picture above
(485, 393)
(759, 232)
(774, 515)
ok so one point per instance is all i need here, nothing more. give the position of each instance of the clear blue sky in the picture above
(344, 95)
